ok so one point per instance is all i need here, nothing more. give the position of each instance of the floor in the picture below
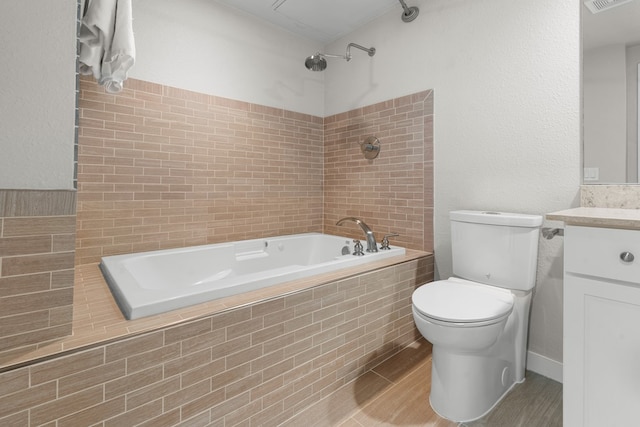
(396, 393)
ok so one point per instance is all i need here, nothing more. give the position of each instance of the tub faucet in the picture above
(371, 239)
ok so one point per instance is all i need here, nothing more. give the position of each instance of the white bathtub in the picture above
(154, 282)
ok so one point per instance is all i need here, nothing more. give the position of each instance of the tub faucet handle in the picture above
(358, 249)
(384, 245)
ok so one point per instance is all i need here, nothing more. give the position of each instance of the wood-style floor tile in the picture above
(341, 404)
(402, 364)
(406, 403)
(537, 402)
(396, 393)
(350, 423)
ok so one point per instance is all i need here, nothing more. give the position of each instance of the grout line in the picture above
(372, 370)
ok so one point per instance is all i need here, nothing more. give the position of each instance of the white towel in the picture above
(107, 47)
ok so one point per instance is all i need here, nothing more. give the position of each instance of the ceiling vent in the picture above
(596, 6)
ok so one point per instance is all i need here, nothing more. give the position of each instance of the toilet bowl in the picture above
(478, 320)
(462, 315)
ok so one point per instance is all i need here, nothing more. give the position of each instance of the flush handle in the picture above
(627, 257)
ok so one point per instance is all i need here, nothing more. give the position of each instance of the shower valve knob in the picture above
(627, 257)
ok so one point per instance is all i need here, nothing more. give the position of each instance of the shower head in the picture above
(409, 13)
(318, 62)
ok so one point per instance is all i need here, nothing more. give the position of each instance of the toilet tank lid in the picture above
(497, 218)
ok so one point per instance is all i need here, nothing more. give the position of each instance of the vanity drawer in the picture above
(598, 252)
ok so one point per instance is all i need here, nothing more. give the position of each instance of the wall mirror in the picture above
(610, 61)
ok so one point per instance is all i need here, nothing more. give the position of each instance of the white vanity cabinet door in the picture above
(601, 328)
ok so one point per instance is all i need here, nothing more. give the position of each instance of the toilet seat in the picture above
(458, 302)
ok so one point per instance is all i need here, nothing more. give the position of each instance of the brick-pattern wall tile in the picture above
(394, 192)
(160, 167)
(254, 365)
(37, 250)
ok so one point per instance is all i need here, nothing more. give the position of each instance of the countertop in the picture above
(598, 217)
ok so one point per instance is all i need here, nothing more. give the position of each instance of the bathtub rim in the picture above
(135, 301)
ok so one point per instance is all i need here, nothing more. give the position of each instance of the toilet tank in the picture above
(495, 248)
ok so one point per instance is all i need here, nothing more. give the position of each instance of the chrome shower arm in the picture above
(371, 51)
(330, 55)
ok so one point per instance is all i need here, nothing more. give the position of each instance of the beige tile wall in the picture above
(394, 192)
(254, 365)
(37, 240)
(160, 167)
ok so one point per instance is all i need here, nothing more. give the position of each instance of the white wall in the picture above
(605, 112)
(506, 76)
(203, 46)
(37, 94)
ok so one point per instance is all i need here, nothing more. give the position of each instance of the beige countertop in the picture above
(598, 217)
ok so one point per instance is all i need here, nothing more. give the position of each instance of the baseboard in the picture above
(544, 366)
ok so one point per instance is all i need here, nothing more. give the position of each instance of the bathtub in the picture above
(154, 282)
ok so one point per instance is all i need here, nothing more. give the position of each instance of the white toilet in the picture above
(478, 321)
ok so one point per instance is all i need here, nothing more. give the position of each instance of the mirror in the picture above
(610, 61)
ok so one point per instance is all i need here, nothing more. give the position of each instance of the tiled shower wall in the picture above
(394, 192)
(254, 365)
(37, 241)
(161, 167)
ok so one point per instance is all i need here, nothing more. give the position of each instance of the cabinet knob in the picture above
(627, 257)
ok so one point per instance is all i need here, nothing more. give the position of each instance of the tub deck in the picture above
(98, 320)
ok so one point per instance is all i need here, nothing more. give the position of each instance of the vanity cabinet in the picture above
(601, 368)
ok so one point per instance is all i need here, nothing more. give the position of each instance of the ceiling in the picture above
(618, 25)
(320, 20)
(325, 21)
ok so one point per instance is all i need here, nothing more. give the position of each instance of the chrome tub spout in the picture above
(371, 238)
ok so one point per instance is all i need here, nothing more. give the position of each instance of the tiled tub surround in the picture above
(160, 167)
(37, 240)
(258, 363)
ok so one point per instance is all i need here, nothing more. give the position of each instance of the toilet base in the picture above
(482, 415)
(464, 387)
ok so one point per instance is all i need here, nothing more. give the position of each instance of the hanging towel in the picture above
(107, 48)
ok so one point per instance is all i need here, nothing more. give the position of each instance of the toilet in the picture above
(478, 320)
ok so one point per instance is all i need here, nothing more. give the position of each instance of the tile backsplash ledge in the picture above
(610, 196)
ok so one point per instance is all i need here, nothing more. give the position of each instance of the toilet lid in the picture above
(462, 301)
